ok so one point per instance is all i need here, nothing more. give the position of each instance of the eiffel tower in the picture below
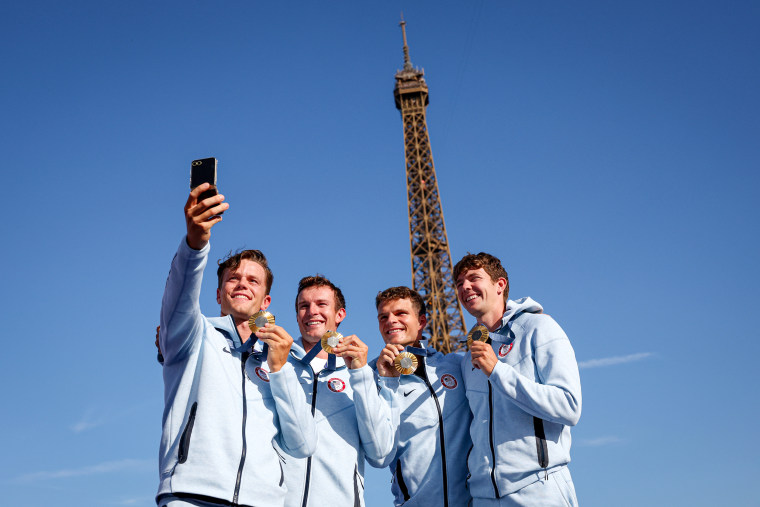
(431, 257)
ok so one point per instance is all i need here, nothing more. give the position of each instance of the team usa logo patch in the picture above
(448, 381)
(262, 373)
(504, 349)
(336, 385)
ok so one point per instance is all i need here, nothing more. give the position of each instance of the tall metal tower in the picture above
(431, 258)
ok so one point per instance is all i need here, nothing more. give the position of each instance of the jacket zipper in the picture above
(243, 359)
(443, 443)
(490, 439)
(308, 460)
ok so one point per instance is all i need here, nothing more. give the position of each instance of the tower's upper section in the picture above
(409, 79)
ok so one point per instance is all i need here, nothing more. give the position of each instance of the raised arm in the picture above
(181, 320)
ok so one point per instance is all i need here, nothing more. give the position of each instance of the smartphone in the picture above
(204, 171)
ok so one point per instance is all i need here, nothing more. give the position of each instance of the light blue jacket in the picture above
(353, 423)
(534, 391)
(429, 462)
(223, 411)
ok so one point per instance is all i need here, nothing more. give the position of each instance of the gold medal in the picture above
(330, 340)
(478, 333)
(406, 363)
(259, 320)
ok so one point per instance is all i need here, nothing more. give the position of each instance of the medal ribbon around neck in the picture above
(317, 349)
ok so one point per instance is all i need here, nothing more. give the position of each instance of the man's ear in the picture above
(423, 322)
(502, 283)
(218, 296)
(267, 301)
(340, 316)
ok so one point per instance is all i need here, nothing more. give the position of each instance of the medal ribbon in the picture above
(313, 353)
(258, 355)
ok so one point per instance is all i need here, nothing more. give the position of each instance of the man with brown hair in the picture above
(352, 421)
(226, 404)
(429, 408)
(524, 392)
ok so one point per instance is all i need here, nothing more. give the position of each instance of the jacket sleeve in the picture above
(297, 429)
(181, 320)
(372, 414)
(556, 396)
(388, 390)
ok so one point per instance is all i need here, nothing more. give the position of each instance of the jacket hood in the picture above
(518, 306)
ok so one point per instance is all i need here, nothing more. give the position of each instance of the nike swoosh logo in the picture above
(225, 349)
(408, 393)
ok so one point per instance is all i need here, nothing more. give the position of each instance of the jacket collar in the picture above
(226, 326)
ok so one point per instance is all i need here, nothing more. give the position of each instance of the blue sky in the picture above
(606, 151)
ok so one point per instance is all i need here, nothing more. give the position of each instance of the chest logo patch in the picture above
(448, 381)
(504, 349)
(336, 385)
(262, 373)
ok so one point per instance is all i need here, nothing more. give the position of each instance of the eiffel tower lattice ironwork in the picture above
(431, 257)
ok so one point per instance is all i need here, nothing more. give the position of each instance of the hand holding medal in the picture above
(276, 340)
(479, 343)
(350, 348)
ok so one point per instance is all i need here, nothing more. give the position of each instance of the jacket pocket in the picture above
(184, 441)
(400, 481)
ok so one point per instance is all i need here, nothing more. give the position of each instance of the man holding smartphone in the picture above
(228, 398)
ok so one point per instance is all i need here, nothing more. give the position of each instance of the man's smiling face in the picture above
(399, 323)
(243, 291)
(478, 293)
(317, 313)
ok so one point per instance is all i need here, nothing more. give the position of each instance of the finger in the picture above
(390, 353)
(270, 329)
(208, 224)
(192, 199)
(202, 213)
(214, 200)
(199, 189)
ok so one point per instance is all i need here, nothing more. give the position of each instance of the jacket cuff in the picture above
(278, 377)
(361, 375)
(191, 253)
